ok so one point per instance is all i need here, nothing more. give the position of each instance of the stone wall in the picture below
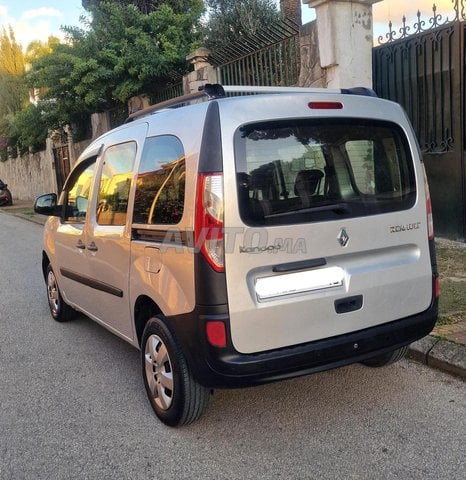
(311, 73)
(31, 175)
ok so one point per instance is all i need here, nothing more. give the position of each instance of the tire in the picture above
(386, 358)
(177, 399)
(60, 311)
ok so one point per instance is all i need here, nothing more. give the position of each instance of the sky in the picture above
(37, 19)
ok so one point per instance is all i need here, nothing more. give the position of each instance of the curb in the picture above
(33, 219)
(37, 219)
(441, 354)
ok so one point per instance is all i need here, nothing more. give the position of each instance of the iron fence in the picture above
(171, 91)
(268, 58)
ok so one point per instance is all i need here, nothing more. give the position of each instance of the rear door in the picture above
(330, 231)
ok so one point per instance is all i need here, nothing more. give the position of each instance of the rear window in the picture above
(314, 170)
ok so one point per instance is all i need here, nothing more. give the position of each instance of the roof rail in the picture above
(368, 92)
(208, 90)
(211, 91)
(253, 89)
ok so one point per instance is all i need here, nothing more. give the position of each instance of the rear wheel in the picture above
(60, 311)
(386, 358)
(175, 396)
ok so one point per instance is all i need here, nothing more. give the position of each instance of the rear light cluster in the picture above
(430, 220)
(209, 219)
(209, 238)
(430, 233)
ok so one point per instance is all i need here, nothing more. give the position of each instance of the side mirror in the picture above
(47, 205)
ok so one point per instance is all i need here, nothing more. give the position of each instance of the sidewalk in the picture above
(24, 209)
(443, 349)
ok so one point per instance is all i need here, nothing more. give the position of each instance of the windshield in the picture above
(312, 170)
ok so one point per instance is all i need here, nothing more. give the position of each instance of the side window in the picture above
(160, 182)
(115, 183)
(376, 165)
(77, 194)
(361, 156)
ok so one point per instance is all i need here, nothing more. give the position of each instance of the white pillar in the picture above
(345, 41)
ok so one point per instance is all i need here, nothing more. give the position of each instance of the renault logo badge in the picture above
(343, 237)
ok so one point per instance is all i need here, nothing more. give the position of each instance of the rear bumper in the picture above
(225, 367)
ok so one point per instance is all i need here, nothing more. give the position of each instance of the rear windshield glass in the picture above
(314, 170)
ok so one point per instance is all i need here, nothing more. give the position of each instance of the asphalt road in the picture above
(73, 406)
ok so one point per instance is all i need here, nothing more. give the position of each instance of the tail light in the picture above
(216, 334)
(430, 220)
(209, 219)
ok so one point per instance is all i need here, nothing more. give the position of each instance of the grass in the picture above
(451, 261)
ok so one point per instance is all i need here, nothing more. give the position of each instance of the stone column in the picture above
(203, 72)
(345, 41)
(100, 124)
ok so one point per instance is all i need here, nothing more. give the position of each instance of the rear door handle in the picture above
(80, 245)
(92, 247)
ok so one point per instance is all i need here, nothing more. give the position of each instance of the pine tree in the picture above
(13, 91)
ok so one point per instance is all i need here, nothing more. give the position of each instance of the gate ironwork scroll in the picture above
(422, 68)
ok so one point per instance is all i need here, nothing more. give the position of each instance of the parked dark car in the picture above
(5, 195)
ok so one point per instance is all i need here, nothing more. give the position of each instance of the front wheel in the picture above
(386, 358)
(174, 394)
(60, 311)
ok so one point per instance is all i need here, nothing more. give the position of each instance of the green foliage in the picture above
(37, 49)
(148, 6)
(122, 53)
(13, 90)
(124, 49)
(228, 20)
(27, 129)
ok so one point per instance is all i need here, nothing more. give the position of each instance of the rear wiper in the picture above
(338, 208)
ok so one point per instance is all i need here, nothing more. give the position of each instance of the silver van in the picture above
(243, 235)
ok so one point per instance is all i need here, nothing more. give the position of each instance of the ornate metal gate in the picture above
(423, 70)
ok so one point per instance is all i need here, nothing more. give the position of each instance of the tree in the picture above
(147, 6)
(230, 20)
(13, 92)
(27, 129)
(125, 49)
(37, 48)
(122, 52)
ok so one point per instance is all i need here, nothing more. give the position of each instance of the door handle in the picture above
(92, 247)
(80, 245)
